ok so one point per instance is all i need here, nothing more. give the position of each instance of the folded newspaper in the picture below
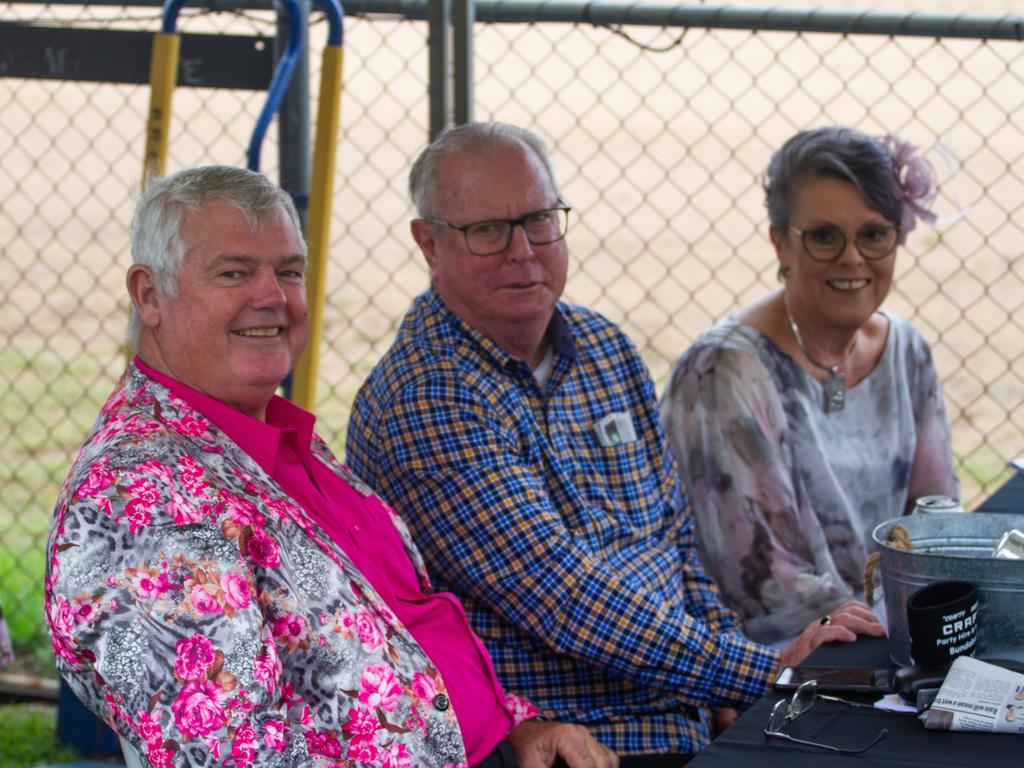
(977, 696)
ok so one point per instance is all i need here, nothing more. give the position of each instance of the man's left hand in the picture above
(538, 744)
(725, 717)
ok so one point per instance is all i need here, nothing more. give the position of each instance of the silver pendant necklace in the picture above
(835, 384)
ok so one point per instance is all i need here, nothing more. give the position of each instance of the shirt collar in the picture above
(561, 334)
(259, 439)
(559, 331)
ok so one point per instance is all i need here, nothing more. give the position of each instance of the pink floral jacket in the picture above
(198, 610)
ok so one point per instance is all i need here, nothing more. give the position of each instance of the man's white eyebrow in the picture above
(243, 260)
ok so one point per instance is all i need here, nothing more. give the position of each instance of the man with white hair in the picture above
(518, 436)
(219, 588)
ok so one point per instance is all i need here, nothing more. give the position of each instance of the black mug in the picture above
(942, 619)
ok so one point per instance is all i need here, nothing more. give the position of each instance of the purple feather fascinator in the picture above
(914, 178)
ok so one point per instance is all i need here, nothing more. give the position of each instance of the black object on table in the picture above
(744, 745)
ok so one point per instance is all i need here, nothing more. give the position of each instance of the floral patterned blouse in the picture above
(785, 495)
(199, 611)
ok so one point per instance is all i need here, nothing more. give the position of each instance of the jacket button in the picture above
(441, 702)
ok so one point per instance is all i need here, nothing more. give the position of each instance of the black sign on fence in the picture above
(123, 56)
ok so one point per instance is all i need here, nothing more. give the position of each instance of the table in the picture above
(907, 744)
(1008, 498)
(744, 745)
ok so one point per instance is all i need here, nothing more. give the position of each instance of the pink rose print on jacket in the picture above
(424, 686)
(60, 615)
(273, 734)
(197, 709)
(266, 667)
(160, 758)
(379, 687)
(162, 473)
(290, 630)
(262, 549)
(195, 655)
(190, 424)
(98, 479)
(369, 631)
(86, 611)
(204, 598)
(388, 616)
(243, 747)
(148, 729)
(341, 622)
(103, 505)
(290, 698)
(361, 725)
(241, 511)
(365, 752)
(395, 756)
(323, 743)
(285, 510)
(181, 510)
(147, 583)
(191, 473)
(136, 514)
(235, 589)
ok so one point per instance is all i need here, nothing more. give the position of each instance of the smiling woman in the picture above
(805, 419)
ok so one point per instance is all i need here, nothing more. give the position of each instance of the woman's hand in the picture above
(842, 625)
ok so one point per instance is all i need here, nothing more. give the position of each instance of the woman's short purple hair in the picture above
(839, 152)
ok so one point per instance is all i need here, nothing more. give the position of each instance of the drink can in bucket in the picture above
(930, 504)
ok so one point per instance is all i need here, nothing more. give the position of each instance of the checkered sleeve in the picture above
(448, 464)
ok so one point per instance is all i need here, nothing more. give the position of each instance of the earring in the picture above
(783, 273)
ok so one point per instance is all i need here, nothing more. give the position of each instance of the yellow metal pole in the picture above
(318, 228)
(163, 74)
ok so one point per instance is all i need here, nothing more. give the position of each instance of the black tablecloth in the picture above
(1009, 498)
(907, 743)
(744, 745)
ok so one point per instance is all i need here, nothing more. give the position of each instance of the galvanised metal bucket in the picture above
(956, 546)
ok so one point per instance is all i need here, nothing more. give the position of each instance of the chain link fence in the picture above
(659, 136)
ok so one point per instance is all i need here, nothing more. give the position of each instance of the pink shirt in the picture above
(361, 526)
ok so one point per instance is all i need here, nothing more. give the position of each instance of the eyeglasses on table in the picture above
(786, 710)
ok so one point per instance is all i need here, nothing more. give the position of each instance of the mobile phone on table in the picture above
(837, 679)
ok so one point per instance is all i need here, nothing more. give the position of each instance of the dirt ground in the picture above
(660, 154)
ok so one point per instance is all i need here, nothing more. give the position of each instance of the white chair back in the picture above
(132, 758)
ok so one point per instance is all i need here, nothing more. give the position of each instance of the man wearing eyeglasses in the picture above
(517, 434)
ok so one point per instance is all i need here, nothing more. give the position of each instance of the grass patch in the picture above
(29, 736)
(21, 594)
(48, 400)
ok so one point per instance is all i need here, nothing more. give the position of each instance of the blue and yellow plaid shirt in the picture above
(576, 561)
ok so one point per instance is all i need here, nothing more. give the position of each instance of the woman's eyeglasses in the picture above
(787, 710)
(827, 242)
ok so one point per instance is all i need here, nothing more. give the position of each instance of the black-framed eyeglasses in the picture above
(486, 238)
(827, 242)
(787, 710)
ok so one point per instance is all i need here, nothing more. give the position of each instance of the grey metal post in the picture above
(293, 119)
(464, 16)
(439, 19)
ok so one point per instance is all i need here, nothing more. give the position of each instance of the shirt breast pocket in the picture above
(624, 465)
